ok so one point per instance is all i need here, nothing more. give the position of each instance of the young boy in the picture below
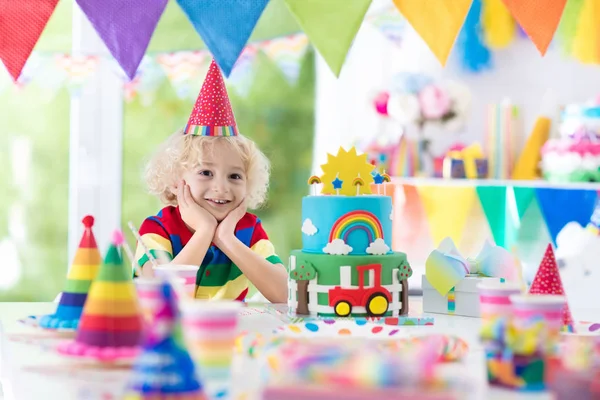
(208, 176)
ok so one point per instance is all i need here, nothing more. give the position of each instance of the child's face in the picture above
(219, 182)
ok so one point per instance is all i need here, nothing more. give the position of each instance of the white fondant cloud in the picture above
(338, 247)
(378, 247)
(392, 214)
(308, 228)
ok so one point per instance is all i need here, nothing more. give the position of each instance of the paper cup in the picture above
(494, 298)
(550, 308)
(210, 331)
(149, 295)
(186, 272)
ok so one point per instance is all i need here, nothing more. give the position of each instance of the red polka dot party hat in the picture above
(212, 114)
(547, 281)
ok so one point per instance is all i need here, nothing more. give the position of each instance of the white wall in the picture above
(343, 110)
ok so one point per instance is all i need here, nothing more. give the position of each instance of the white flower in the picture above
(460, 95)
(308, 228)
(404, 108)
(338, 247)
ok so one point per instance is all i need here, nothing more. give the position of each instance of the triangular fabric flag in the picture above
(287, 53)
(184, 70)
(212, 114)
(83, 271)
(562, 206)
(21, 24)
(569, 24)
(330, 25)
(242, 76)
(538, 18)
(523, 198)
(498, 25)
(437, 22)
(125, 27)
(224, 25)
(547, 281)
(164, 369)
(447, 210)
(586, 43)
(493, 201)
(111, 323)
(391, 24)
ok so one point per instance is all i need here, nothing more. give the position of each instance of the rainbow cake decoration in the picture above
(575, 155)
(110, 327)
(79, 279)
(164, 369)
(346, 266)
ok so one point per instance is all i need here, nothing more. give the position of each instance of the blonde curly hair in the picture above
(180, 153)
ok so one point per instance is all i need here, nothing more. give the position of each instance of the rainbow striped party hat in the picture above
(79, 279)
(212, 114)
(110, 327)
(164, 369)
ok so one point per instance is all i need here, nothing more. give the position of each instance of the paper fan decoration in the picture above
(110, 327)
(164, 369)
(79, 279)
(212, 114)
(547, 281)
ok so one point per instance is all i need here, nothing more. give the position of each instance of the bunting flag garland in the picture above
(391, 24)
(77, 69)
(330, 25)
(243, 71)
(562, 206)
(146, 82)
(21, 24)
(124, 28)
(523, 197)
(287, 53)
(224, 25)
(567, 29)
(586, 43)
(185, 71)
(445, 221)
(437, 22)
(539, 19)
(495, 202)
(498, 24)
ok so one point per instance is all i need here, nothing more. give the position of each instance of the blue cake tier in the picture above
(341, 225)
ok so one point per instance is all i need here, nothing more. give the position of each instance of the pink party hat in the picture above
(212, 114)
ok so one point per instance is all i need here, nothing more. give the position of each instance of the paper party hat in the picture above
(547, 281)
(79, 278)
(212, 114)
(164, 369)
(110, 327)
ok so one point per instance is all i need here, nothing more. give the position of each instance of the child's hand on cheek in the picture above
(226, 229)
(194, 215)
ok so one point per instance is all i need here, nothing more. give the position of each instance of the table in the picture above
(28, 371)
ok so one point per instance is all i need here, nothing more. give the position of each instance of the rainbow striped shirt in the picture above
(218, 277)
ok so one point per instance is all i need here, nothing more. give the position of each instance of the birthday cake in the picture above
(575, 156)
(346, 266)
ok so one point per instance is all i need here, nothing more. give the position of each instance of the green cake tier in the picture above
(345, 285)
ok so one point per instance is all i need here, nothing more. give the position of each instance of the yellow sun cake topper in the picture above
(345, 167)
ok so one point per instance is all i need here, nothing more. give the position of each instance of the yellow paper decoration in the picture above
(346, 166)
(468, 155)
(586, 44)
(436, 21)
(498, 24)
(527, 167)
(447, 210)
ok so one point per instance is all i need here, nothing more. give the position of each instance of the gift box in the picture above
(450, 280)
(463, 299)
(468, 162)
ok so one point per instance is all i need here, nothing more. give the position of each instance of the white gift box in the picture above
(466, 297)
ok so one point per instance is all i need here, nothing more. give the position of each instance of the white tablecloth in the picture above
(30, 371)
